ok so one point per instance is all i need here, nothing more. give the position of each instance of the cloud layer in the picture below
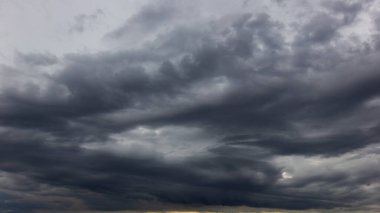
(252, 103)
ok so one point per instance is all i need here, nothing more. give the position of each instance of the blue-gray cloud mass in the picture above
(191, 107)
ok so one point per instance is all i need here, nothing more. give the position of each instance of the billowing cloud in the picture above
(201, 105)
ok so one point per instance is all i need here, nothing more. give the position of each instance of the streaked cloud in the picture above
(204, 106)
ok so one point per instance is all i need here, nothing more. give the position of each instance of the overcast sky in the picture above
(202, 105)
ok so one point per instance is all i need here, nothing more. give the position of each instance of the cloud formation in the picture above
(202, 104)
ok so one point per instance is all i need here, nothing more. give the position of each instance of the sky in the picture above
(189, 106)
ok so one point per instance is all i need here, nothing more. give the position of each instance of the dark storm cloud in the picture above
(129, 179)
(239, 78)
(124, 182)
(294, 144)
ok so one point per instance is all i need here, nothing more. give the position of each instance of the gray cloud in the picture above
(148, 20)
(217, 113)
(83, 21)
(36, 59)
